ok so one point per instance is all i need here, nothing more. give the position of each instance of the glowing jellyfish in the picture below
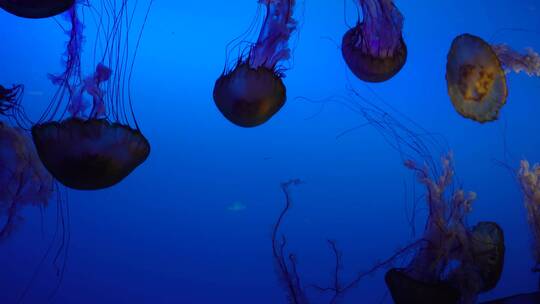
(23, 179)
(475, 75)
(253, 91)
(374, 49)
(90, 144)
(477, 252)
(36, 8)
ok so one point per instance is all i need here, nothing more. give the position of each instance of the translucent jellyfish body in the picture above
(251, 93)
(374, 49)
(23, 179)
(36, 8)
(99, 143)
(475, 78)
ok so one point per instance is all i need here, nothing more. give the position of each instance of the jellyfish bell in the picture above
(406, 290)
(374, 49)
(249, 97)
(36, 9)
(253, 91)
(488, 250)
(89, 154)
(475, 79)
(89, 138)
(368, 67)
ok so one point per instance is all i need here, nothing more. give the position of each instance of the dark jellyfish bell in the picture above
(366, 66)
(36, 8)
(488, 251)
(89, 154)
(406, 290)
(475, 79)
(249, 97)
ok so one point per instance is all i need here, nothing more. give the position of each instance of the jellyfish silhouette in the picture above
(36, 8)
(89, 145)
(529, 179)
(23, 179)
(374, 49)
(253, 91)
(476, 79)
(478, 252)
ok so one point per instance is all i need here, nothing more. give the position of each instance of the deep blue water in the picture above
(166, 234)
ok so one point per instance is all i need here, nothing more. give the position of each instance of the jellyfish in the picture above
(476, 75)
(374, 49)
(23, 179)
(88, 138)
(36, 8)
(430, 277)
(529, 179)
(253, 91)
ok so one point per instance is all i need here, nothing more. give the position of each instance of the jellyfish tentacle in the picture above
(287, 271)
(381, 28)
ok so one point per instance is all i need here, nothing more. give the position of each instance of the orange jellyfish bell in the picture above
(475, 78)
(36, 8)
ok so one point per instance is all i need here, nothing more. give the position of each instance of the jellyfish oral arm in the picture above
(445, 233)
(272, 44)
(513, 61)
(381, 28)
(93, 87)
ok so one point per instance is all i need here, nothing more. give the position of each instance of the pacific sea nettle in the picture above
(89, 138)
(36, 8)
(374, 49)
(253, 91)
(454, 263)
(476, 75)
